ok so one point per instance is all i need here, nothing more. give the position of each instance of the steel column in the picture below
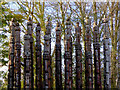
(47, 55)
(118, 83)
(38, 58)
(28, 57)
(30, 32)
(58, 63)
(78, 51)
(88, 57)
(68, 56)
(96, 46)
(11, 56)
(106, 47)
(17, 58)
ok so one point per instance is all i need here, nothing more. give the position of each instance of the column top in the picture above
(29, 21)
(105, 19)
(87, 20)
(17, 28)
(58, 24)
(12, 22)
(68, 21)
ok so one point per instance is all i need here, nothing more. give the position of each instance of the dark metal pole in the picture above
(11, 56)
(96, 46)
(106, 47)
(118, 83)
(38, 59)
(27, 58)
(78, 51)
(68, 56)
(47, 56)
(58, 74)
(30, 31)
(88, 57)
(17, 58)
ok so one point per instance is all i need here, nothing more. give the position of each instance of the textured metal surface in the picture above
(68, 55)
(88, 56)
(14, 74)
(38, 58)
(96, 46)
(58, 62)
(118, 83)
(30, 32)
(106, 47)
(78, 51)
(17, 58)
(47, 56)
(28, 57)
(11, 56)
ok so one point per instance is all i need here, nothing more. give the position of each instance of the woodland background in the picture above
(59, 11)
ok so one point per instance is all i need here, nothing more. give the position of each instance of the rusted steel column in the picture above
(88, 57)
(38, 58)
(68, 56)
(27, 58)
(106, 47)
(11, 55)
(96, 46)
(58, 63)
(47, 55)
(78, 51)
(30, 31)
(17, 57)
(118, 83)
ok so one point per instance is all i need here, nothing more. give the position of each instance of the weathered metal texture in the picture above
(47, 55)
(17, 58)
(118, 83)
(106, 48)
(96, 46)
(88, 57)
(27, 58)
(68, 56)
(78, 51)
(30, 31)
(38, 58)
(11, 56)
(58, 62)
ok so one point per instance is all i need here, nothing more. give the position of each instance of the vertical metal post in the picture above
(58, 74)
(47, 55)
(38, 58)
(88, 57)
(78, 51)
(11, 56)
(118, 83)
(17, 58)
(96, 46)
(30, 31)
(27, 58)
(106, 47)
(68, 56)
